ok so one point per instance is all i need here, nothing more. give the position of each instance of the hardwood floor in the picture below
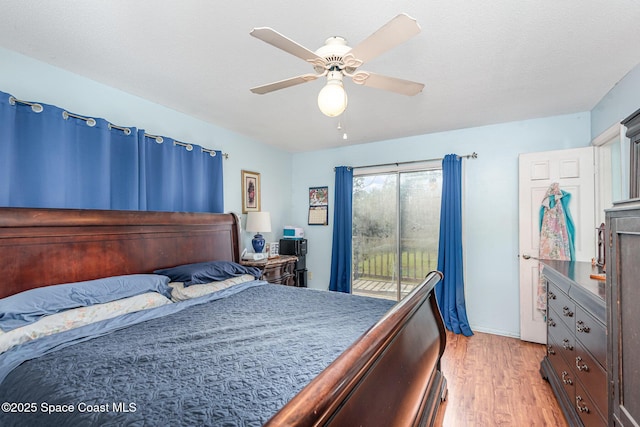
(495, 381)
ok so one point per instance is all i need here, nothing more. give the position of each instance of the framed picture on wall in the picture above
(250, 191)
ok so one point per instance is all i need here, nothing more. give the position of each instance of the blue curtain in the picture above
(56, 162)
(450, 291)
(51, 159)
(179, 180)
(342, 229)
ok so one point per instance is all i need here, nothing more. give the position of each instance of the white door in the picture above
(573, 169)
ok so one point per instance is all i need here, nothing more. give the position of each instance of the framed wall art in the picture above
(250, 191)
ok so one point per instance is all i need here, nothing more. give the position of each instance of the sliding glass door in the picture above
(396, 217)
(375, 235)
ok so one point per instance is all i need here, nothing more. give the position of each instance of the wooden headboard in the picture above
(40, 247)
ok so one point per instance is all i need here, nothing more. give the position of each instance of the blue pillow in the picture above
(29, 306)
(205, 272)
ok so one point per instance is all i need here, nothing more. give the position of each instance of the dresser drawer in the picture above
(592, 377)
(587, 411)
(563, 371)
(560, 339)
(561, 304)
(592, 334)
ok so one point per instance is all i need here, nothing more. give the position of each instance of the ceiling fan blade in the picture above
(393, 84)
(274, 38)
(282, 84)
(397, 31)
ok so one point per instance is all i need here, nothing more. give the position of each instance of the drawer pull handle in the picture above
(583, 366)
(581, 327)
(565, 378)
(566, 345)
(550, 349)
(551, 323)
(552, 295)
(567, 312)
(583, 407)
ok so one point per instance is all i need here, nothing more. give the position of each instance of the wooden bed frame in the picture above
(391, 376)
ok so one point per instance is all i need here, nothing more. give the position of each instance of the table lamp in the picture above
(258, 222)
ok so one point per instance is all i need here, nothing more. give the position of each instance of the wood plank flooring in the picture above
(495, 381)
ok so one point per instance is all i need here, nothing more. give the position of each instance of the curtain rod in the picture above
(92, 122)
(473, 155)
(37, 108)
(186, 145)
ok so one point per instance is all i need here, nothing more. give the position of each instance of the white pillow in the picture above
(76, 317)
(180, 293)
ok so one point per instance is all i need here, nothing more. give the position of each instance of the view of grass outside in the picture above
(384, 205)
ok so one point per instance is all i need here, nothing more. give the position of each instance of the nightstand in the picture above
(279, 270)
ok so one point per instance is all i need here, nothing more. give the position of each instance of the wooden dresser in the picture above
(576, 359)
(280, 270)
(623, 304)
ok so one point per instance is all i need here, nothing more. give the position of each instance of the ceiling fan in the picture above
(336, 60)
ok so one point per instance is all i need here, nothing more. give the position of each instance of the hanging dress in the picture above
(557, 233)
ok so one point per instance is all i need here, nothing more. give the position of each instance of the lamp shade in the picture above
(259, 222)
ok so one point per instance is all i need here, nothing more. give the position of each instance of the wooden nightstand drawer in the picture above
(279, 270)
(273, 274)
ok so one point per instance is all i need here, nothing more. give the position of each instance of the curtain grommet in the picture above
(37, 108)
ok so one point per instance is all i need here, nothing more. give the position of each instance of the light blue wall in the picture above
(622, 100)
(491, 210)
(28, 79)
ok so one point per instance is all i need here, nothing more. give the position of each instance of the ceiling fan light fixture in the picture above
(332, 99)
(337, 59)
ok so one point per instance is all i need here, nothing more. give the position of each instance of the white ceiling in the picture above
(482, 62)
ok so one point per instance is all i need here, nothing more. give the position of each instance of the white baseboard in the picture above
(495, 332)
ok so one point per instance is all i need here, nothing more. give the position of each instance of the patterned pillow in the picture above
(76, 317)
(29, 306)
(180, 293)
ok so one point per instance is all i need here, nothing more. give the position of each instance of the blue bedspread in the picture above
(229, 362)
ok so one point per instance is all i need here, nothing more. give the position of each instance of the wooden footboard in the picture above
(389, 377)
